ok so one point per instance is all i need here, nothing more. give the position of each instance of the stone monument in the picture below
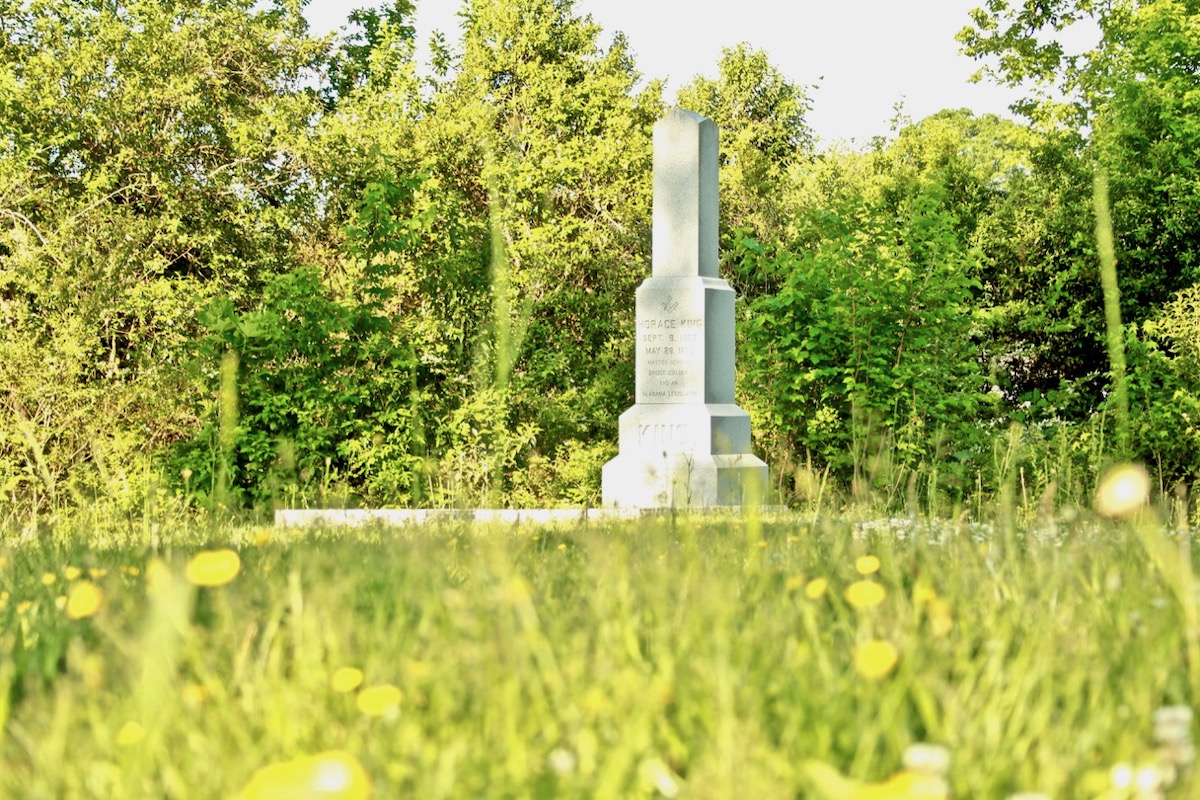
(684, 443)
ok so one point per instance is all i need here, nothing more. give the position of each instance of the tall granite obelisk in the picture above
(684, 443)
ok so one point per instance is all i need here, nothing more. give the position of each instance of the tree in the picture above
(537, 144)
(1124, 108)
(150, 163)
(764, 134)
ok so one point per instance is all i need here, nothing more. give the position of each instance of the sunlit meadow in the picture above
(709, 657)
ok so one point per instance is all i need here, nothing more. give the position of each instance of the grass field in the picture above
(673, 657)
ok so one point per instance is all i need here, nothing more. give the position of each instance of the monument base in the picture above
(683, 480)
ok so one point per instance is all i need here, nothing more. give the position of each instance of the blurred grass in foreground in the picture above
(700, 659)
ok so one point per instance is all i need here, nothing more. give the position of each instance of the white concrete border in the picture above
(357, 517)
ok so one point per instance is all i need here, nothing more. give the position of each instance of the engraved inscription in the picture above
(669, 436)
(670, 355)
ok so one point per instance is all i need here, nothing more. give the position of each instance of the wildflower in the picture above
(516, 590)
(875, 659)
(193, 695)
(335, 775)
(49, 579)
(1123, 490)
(923, 593)
(930, 758)
(346, 679)
(815, 589)
(131, 571)
(417, 670)
(561, 761)
(940, 621)
(4, 595)
(84, 600)
(213, 568)
(24, 606)
(96, 573)
(130, 734)
(1144, 780)
(1173, 735)
(794, 583)
(377, 701)
(865, 594)
(72, 573)
(595, 701)
(866, 565)
(906, 785)
(158, 576)
(657, 776)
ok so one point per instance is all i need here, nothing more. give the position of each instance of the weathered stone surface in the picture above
(684, 443)
(685, 195)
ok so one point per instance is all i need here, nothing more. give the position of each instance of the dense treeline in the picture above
(242, 264)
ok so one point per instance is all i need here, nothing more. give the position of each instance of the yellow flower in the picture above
(794, 583)
(1123, 490)
(940, 621)
(158, 576)
(815, 589)
(923, 593)
(866, 565)
(876, 658)
(130, 734)
(334, 775)
(346, 679)
(49, 579)
(193, 695)
(213, 568)
(96, 573)
(4, 595)
(865, 594)
(71, 573)
(24, 606)
(376, 701)
(84, 600)
(516, 590)
(906, 785)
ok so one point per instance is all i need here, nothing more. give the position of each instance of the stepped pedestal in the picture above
(684, 443)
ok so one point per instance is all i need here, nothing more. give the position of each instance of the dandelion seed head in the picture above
(1123, 490)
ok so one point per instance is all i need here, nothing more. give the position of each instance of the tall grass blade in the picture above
(1112, 311)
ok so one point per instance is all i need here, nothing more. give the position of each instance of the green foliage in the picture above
(150, 163)
(426, 281)
(1135, 91)
(763, 134)
(539, 144)
(868, 335)
(321, 385)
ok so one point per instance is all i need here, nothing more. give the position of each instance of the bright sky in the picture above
(865, 55)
